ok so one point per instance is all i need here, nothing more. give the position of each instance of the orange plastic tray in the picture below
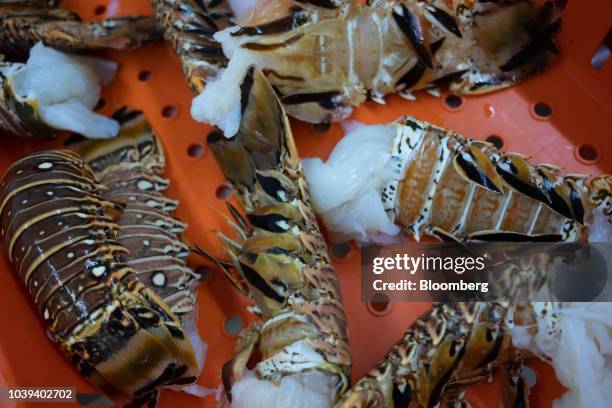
(151, 79)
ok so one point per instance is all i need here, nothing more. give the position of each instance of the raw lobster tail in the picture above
(24, 23)
(189, 27)
(60, 236)
(279, 258)
(446, 349)
(130, 167)
(433, 181)
(496, 196)
(325, 57)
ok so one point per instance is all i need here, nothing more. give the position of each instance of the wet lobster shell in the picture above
(326, 57)
(448, 348)
(189, 26)
(461, 189)
(26, 22)
(61, 237)
(130, 166)
(279, 255)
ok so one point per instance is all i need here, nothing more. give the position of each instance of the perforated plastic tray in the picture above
(576, 134)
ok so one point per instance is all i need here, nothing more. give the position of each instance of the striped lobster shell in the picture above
(188, 26)
(280, 258)
(130, 167)
(26, 22)
(325, 57)
(448, 348)
(461, 189)
(60, 235)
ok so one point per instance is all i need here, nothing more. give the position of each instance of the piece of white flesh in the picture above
(199, 346)
(363, 219)
(302, 390)
(219, 103)
(346, 190)
(67, 88)
(579, 347)
(242, 9)
(78, 118)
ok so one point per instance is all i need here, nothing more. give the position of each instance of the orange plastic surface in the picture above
(581, 115)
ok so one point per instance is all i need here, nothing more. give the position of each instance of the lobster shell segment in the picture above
(280, 258)
(130, 166)
(189, 26)
(324, 58)
(458, 188)
(62, 239)
(448, 347)
(24, 23)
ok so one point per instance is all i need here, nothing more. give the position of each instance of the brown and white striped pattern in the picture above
(189, 26)
(62, 240)
(23, 23)
(130, 167)
(457, 188)
(324, 57)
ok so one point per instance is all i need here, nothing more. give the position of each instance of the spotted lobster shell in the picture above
(130, 167)
(280, 256)
(61, 236)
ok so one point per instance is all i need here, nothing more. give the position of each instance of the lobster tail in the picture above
(61, 237)
(189, 27)
(24, 23)
(356, 52)
(262, 134)
(130, 166)
(280, 257)
(514, 40)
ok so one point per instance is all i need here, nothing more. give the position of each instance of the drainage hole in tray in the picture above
(495, 140)
(223, 192)
(322, 127)
(99, 10)
(453, 101)
(542, 109)
(204, 271)
(587, 153)
(379, 303)
(341, 250)
(144, 75)
(195, 150)
(233, 325)
(168, 111)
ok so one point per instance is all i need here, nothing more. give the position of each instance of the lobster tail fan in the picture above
(515, 40)
(262, 136)
(262, 123)
(233, 158)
